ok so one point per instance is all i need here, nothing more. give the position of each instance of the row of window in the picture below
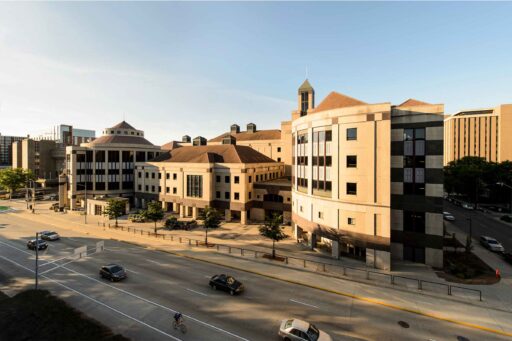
(327, 161)
(227, 195)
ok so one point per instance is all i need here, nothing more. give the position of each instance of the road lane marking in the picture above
(144, 299)
(155, 262)
(303, 303)
(95, 301)
(135, 272)
(197, 292)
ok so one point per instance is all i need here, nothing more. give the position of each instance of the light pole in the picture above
(502, 184)
(37, 258)
(32, 184)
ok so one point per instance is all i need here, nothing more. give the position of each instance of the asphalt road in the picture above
(482, 224)
(158, 284)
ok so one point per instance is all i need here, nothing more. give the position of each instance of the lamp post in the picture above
(32, 184)
(502, 184)
(37, 259)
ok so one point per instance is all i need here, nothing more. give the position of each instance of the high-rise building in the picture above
(6, 149)
(66, 135)
(483, 133)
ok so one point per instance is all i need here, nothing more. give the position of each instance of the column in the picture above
(335, 246)
(182, 210)
(164, 205)
(194, 212)
(227, 215)
(297, 232)
(243, 217)
(312, 240)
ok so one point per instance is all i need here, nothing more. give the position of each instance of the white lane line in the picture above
(135, 272)
(299, 302)
(197, 292)
(155, 262)
(145, 300)
(95, 301)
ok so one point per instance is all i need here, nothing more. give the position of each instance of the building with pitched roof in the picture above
(105, 166)
(188, 179)
(367, 178)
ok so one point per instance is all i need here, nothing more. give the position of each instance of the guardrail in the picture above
(335, 269)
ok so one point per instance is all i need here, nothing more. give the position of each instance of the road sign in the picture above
(100, 246)
(81, 251)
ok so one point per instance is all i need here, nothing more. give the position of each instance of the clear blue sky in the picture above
(195, 68)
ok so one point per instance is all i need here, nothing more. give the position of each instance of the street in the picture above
(158, 284)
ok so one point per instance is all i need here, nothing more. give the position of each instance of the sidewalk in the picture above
(494, 313)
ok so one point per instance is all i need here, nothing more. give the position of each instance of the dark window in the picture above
(237, 179)
(174, 176)
(140, 156)
(152, 175)
(226, 195)
(217, 178)
(226, 179)
(278, 159)
(152, 188)
(278, 149)
(174, 190)
(159, 175)
(139, 187)
(328, 135)
(351, 134)
(140, 175)
(250, 179)
(195, 186)
(351, 161)
(147, 188)
(414, 221)
(237, 196)
(351, 188)
(159, 189)
(250, 195)
(167, 175)
(217, 195)
(147, 175)
(167, 190)
(351, 221)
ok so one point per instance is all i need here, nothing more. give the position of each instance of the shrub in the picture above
(171, 222)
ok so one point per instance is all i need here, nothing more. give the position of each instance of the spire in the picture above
(305, 86)
(306, 98)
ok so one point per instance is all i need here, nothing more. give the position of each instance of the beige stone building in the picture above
(353, 166)
(485, 133)
(44, 158)
(233, 179)
(105, 166)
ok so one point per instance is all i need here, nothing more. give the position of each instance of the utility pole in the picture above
(502, 184)
(33, 196)
(26, 193)
(86, 176)
(37, 258)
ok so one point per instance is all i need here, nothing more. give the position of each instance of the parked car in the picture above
(508, 256)
(41, 244)
(49, 235)
(448, 216)
(468, 206)
(491, 244)
(226, 283)
(113, 272)
(295, 329)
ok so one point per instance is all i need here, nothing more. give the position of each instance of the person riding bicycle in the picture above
(178, 318)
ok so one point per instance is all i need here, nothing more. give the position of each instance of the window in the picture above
(250, 179)
(237, 179)
(226, 195)
(237, 196)
(174, 190)
(300, 208)
(250, 195)
(167, 190)
(279, 149)
(152, 188)
(159, 175)
(152, 175)
(351, 134)
(174, 176)
(167, 175)
(217, 178)
(351, 188)
(320, 215)
(159, 189)
(139, 187)
(217, 194)
(351, 161)
(147, 175)
(140, 175)
(195, 186)
(226, 179)
(414, 221)
(278, 159)
(147, 188)
(351, 221)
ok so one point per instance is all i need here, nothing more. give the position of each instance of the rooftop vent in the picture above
(185, 139)
(235, 129)
(229, 140)
(251, 128)
(199, 141)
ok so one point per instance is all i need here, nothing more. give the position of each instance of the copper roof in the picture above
(273, 134)
(411, 102)
(225, 153)
(121, 139)
(123, 125)
(171, 145)
(336, 100)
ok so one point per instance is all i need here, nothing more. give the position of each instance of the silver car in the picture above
(298, 330)
(448, 216)
(491, 244)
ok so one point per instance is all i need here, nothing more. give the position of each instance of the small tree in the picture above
(14, 179)
(115, 208)
(272, 229)
(211, 220)
(154, 212)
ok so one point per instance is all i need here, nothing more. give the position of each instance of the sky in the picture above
(176, 68)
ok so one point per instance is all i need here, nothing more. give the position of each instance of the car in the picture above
(41, 244)
(448, 216)
(491, 244)
(468, 206)
(113, 272)
(295, 329)
(508, 257)
(49, 235)
(226, 283)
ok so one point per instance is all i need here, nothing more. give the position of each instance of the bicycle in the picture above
(179, 325)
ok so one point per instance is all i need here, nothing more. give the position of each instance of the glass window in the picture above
(351, 161)
(408, 134)
(328, 135)
(195, 186)
(250, 179)
(351, 221)
(351, 188)
(351, 134)
(226, 195)
(226, 179)
(217, 194)
(174, 176)
(174, 190)
(217, 178)
(237, 196)
(237, 179)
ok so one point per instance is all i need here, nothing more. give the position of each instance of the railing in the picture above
(334, 269)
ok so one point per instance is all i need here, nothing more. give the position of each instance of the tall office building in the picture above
(6, 149)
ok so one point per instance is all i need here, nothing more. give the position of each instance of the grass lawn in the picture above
(37, 315)
(4, 208)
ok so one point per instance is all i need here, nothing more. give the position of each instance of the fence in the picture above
(334, 269)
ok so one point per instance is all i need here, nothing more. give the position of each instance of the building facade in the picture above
(342, 188)
(188, 179)
(480, 132)
(66, 135)
(105, 166)
(6, 149)
(41, 157)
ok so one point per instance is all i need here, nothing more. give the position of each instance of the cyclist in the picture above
(178, 318)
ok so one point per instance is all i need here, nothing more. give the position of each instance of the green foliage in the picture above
(115, 208)
(138, 217)
(14, 179)
(272, 229)
(171, 222)
(210, 217)
(154, 212)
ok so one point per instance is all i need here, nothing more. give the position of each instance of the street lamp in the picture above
(32, 184)
(502, 184)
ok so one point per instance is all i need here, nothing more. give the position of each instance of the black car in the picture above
(508, 257)
(41, 244)
(49, 235)
(226, 283)
(113, 272)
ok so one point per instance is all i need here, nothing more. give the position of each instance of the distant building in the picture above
(66, 135)
(43, 158)
(485, 133)
(6, 149)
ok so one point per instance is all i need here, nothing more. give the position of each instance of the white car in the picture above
(468, 206)
(298, 330)
(491, 244)
(448, 216)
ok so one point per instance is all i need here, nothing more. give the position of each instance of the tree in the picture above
(154, 212)
(211, 220)
(272, 229)
(14, 179)
(115, 208)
